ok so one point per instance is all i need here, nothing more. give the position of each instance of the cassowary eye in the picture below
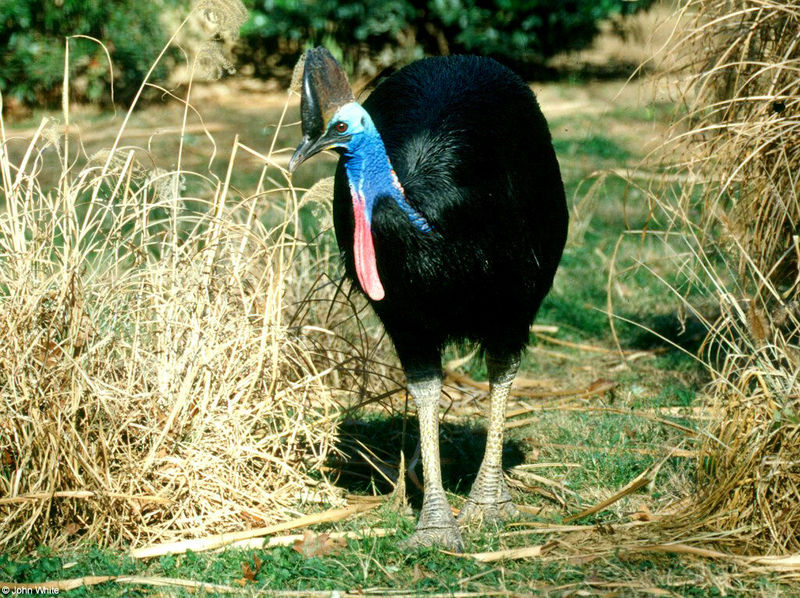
(341, 127)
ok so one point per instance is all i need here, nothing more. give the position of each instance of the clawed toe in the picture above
(448, 538)
(487, 513)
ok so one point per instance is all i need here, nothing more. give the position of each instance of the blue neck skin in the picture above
(371, 175)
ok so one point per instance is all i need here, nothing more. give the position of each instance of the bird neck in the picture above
(371, 175)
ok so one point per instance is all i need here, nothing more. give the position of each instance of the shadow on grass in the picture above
(380, 440)
(665, 331)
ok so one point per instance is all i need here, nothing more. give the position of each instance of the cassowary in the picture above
(450, 215)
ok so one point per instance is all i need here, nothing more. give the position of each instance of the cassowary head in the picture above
(331, 118)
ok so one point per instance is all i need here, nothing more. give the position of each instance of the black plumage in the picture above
(474, 155)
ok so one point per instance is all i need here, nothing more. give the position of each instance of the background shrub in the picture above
(365, 36)
(521, 32)
(32, 34)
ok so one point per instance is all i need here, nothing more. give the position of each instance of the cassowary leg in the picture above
(489, 500)
(436, 526)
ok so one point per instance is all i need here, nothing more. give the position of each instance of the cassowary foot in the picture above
(494, 513)
(448, 538)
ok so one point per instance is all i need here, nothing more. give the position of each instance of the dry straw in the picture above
(736, 218)
(152, 384)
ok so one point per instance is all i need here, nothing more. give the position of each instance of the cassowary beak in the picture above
(307, 148)
(325, 90)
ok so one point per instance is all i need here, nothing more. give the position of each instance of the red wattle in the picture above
(364, 252)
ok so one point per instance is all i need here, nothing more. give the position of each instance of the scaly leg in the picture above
(489, 500)
(436, 526)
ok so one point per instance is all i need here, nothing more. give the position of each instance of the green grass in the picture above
(372, 564)
(596, 146)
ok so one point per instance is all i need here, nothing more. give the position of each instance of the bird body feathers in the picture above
(473, 156)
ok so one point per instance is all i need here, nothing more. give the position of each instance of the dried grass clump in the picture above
(751, 471)
(738, 215)
(152, 386)
(744, 106)
(748, 477)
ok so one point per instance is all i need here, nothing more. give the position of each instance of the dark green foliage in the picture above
(278, 30)
(524, 29)
(520, 32)
(32, 47)
(516, 31)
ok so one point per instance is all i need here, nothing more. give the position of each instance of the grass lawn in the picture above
(600, 405)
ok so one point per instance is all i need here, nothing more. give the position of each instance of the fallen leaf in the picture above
(644, 514)
(71, 529)
(249, 572)
(600, 384)
(312, 544)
